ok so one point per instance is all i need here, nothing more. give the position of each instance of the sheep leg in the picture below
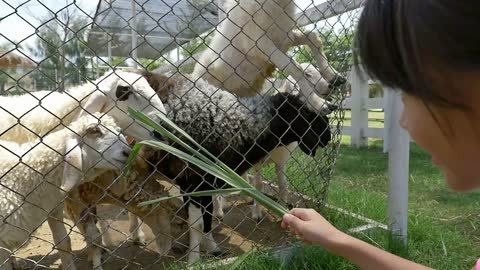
(93, 238)
(107, 240)
(196, 226)
(285, 63)
(209, 242)
(136, 233)
(161, 228)
(85, 220)
(257, 213)
(313, 41)
(219, 203)
(282, 183)
(61, 238)
(6, 262)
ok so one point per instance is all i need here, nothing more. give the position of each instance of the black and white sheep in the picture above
(35, 177)
(239, 131)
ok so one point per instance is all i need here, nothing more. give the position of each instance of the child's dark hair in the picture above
(409, 44)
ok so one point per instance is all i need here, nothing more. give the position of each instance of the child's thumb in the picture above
(292, 221)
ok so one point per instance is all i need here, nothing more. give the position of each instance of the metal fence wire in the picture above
(252, 80)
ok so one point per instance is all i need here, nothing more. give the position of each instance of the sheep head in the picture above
(97, 144)
(119, 90)
(303, 124)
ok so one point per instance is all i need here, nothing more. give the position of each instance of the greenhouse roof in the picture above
(159, 25)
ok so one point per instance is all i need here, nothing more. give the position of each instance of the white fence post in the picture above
(359, 83)
(388, 97)
(398, 168)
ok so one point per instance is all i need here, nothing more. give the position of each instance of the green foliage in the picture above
(61, 46)
(337, 47)
(150, 64)
(196, 45)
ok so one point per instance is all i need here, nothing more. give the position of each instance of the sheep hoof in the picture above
(138, 238)
(140, 242)
(218, 252)
(337, 81)
(257, 215)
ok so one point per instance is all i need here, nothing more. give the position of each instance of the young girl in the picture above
(430, 50)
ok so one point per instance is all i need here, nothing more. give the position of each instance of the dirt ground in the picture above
(236, 234)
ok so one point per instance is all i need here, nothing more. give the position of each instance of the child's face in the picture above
(453, 140)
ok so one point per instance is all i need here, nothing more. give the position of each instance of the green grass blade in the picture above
(169, 122)
(140, 116)
(239, 181)
(213, 170)
(226, 191)
(131, 158)
(215, 167)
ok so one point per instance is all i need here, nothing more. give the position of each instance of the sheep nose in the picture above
(126, 152)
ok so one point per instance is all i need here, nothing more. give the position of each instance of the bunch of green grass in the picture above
(204, 160)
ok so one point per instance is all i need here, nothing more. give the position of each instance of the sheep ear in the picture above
(72, 172)
(95, 103)
(123, 92)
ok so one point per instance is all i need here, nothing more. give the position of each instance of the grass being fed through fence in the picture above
(203, 159)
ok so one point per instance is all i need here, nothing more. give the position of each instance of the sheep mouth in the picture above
(121, 161)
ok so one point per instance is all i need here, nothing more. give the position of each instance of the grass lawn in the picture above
(444, 226)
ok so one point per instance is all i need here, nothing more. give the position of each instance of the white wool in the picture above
(31, 176)
(30, 116)
(253, 40)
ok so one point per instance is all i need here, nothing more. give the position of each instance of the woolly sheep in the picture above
(32, 115)
(279, 156)
(239, 131)
(252, 40)
(36, 175)
(142, 185)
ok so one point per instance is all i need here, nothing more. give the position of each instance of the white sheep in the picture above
(252, 40)
(30, 116)
(36, 175)
(167, 219)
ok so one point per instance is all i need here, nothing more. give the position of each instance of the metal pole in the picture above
(398, 169)
(109, 51)
(134, 35)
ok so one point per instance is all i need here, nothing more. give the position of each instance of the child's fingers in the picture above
(301, 213)
(284, 223)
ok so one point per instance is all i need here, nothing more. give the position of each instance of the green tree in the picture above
(337, 46)
(13, 79)
(150, 64)
(196, 45)
(61, 44)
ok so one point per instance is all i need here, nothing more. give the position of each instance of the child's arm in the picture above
(312, 228)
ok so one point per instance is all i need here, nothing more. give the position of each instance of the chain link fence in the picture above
(190, 59)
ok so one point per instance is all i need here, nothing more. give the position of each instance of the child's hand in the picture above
(310, 227)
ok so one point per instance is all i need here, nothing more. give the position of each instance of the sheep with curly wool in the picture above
(30, 116)
(240, 132)
(280, 155)
(36, 176)
(167, 219)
